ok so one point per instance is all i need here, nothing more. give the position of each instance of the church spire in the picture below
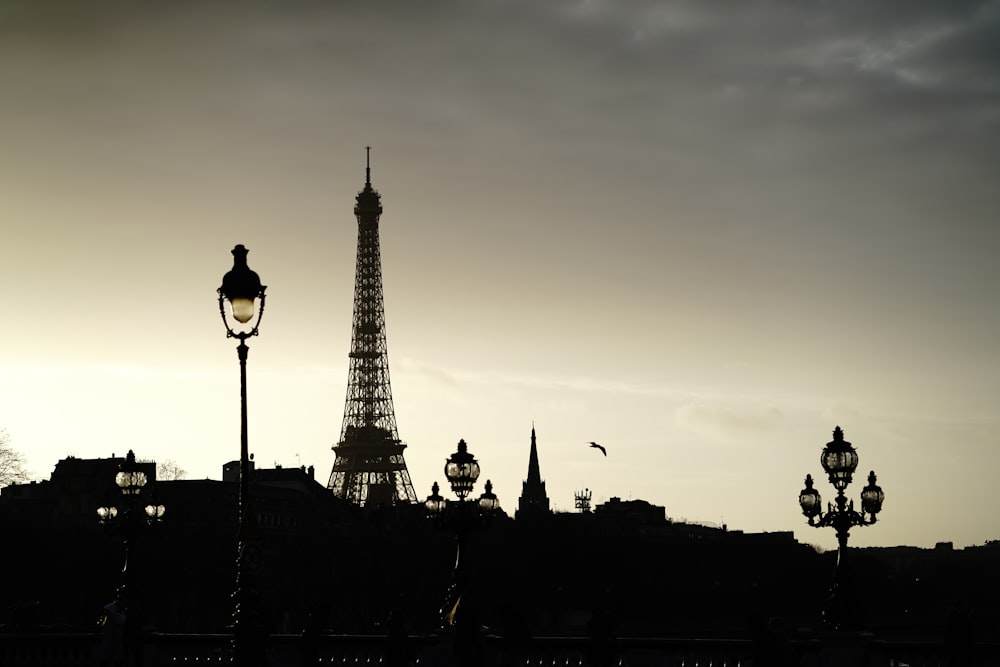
(533, 501)
(534, 472)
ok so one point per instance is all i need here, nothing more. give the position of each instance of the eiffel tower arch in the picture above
(369, 468)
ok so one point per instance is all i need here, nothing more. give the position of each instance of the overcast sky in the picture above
(700, 233)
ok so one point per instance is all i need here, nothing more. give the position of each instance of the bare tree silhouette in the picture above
(12, 465)
(169, 471)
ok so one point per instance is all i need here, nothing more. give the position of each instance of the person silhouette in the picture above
(959, 639)
(762, 640)
(468, 640)
(313, 628)
(132, 634)
(112, 624)
(516, 635)
(398, 652)
(601, 629)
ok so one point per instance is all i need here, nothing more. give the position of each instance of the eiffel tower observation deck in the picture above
(369, 468)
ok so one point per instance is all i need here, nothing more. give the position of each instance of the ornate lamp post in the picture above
(241, 287)
(462, 470)
(840, 460)
(131, 480)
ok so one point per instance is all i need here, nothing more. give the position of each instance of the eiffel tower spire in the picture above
(369, 468)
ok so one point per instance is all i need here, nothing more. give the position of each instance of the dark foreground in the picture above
(174, 650)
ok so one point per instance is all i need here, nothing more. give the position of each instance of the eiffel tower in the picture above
(369, 468)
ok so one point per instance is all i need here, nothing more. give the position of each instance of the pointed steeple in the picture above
(533, 501)
(534, 473)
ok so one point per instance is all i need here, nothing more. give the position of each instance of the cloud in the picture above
(455, 378)
(728, 421)
(426, 371)
(564, 78)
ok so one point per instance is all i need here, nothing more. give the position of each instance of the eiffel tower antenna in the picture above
(369, 468)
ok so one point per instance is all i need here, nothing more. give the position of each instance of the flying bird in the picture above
(603, 451)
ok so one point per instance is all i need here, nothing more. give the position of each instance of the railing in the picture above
(180, 650)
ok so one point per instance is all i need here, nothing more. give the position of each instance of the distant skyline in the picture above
(700, 234)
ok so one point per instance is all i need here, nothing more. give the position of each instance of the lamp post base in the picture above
(841, 615)
(844, 649)
(249, 633)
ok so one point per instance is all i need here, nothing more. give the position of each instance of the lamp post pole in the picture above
(840, 460)
(240, 288)
(244, 498)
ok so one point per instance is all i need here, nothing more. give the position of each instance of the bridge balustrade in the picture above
(205, 650)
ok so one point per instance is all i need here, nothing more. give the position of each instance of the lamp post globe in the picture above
(809, 500)
(130, 479)
(488, 502)
(872, 497)
(435, 503)
(155, 512)
(839, 460)
(106, 514)
(462, 471)
(241, 286)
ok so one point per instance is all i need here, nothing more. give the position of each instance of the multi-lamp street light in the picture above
(461, 470)
(131, 518)
(839, 459)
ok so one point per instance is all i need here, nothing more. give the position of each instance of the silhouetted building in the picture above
(183, 568)
(231, 470)
(369, 468)
(76, 489)
(329, 557)
(533, 501)
(632, 512)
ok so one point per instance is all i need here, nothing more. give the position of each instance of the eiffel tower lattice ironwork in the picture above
(369, 468)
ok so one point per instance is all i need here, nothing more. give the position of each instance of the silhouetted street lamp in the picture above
(840, 460)
(462, 470)
(241, 287)
(128, 520)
